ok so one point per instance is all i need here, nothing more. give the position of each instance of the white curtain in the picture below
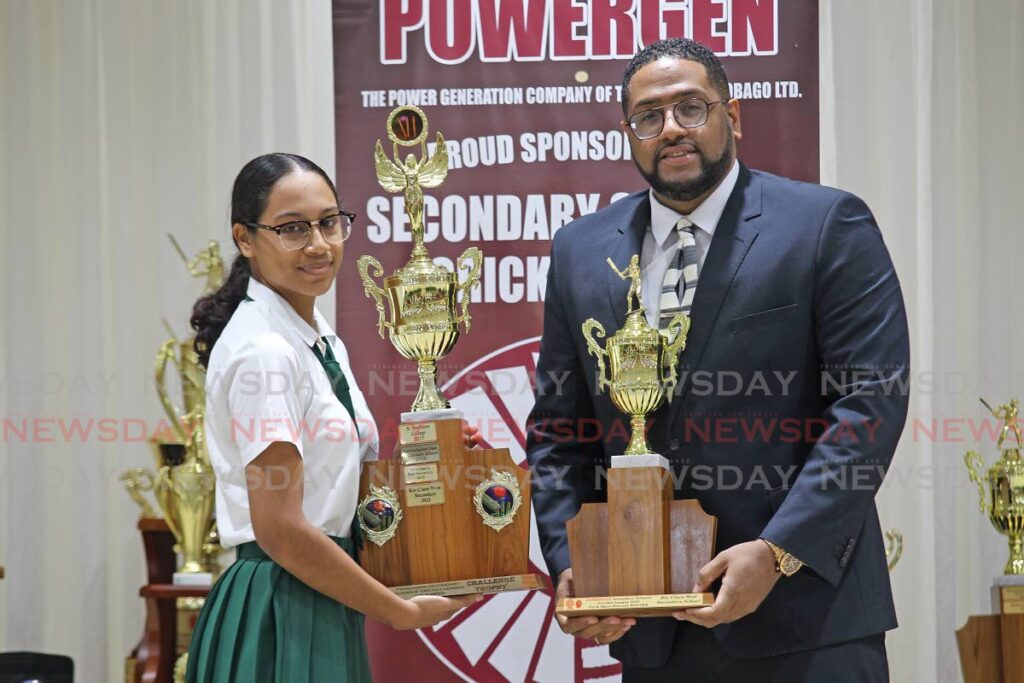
(124, 120)
(921, 118)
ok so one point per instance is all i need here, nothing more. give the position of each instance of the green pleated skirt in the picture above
(262, 625)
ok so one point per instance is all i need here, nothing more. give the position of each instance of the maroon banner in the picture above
(526, 94)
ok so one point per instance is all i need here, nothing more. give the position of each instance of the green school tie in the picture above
(338, 381)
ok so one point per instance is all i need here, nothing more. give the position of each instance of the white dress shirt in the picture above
(661, 239)
(264, 384)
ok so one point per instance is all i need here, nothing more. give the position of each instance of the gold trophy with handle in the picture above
(433, 526)
(639, 554)
(421, 296)
(641, 359)
(1004, 504)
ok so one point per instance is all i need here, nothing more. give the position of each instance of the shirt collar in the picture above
(283, 312)
(705, 216)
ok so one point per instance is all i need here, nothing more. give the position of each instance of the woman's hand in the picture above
(427, 610)
(471, 435)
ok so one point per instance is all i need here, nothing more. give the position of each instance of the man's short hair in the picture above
(677, 48)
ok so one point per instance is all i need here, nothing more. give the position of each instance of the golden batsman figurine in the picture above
(1004, 501)
(643, 362)
(639, 554)
(421, 295)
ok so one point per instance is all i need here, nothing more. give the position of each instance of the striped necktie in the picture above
(680, 283)
(337, 376)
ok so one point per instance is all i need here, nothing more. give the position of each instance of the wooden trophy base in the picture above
(446, 543)
(633, 605)
(638, 555)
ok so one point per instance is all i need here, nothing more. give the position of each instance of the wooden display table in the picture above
(152, 660)
(162, 630)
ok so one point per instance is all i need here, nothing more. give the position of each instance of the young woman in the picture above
(287, 431)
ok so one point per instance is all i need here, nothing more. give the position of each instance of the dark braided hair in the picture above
(211, 313)
(677, 48)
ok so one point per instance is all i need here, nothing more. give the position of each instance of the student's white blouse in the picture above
(264, 384)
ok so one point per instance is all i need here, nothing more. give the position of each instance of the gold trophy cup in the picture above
(185, 494)
(1004, 500)
(421, 295)
(639, 554)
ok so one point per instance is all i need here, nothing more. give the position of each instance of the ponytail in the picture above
(211, 313)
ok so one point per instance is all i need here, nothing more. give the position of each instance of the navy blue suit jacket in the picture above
(793, 394)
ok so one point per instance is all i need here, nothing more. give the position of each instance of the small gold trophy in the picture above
(183, 484)
(1004, 504)
(421, 295)
(638, 554)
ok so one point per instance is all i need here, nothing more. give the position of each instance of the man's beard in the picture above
(711, 173)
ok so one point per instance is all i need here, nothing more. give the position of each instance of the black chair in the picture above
(23, 667)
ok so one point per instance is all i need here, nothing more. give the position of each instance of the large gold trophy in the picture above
(421, 295)
(638, 554)
(183, 484)
(1004, 504)
(441, 519)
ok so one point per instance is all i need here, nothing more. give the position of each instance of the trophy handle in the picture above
(137, 480)
(893, 547)
(165, 354)
(475, 259)
(164, 496)
(681, 325)
(974, 464)
(592, 331)
(372, 290)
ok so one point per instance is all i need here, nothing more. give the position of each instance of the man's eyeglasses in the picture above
(691, 113)
(295, 235)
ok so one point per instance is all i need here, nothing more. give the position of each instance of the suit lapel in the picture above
(734, 235)
(628, 242)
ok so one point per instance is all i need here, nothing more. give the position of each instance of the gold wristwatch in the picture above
(785, 564)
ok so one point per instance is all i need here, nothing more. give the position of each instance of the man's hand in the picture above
(748, 575)
(602, 630)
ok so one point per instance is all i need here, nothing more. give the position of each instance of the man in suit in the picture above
(791, 399)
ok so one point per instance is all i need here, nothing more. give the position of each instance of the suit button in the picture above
(673, 445)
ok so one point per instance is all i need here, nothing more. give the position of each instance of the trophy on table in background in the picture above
(1004, 503)
(183, 483)
(893, 548)
(639, 554)
(441, 519)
